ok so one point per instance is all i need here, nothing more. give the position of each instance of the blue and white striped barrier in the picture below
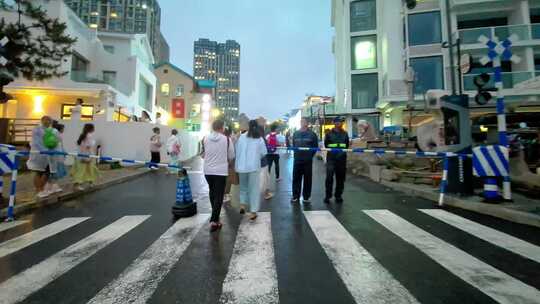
(378, 151)
(9, 163)
(490, 161)
(444, 181)
(493, 161)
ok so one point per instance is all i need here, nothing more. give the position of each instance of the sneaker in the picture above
(227, 198)
(43, 194)
(253, 216)
(339, 200)
(327, 200)
(55, 188)
(242, 210)
(79, 188)
(213, 226)
(268, 195)
(294, 200)
(278, 179)
(306, 201)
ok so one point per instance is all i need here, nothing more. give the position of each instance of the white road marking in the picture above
(494, 283)
(366, 279)
(32, 237)
(9, 225)
(20, 286)
(252, 276)
(487, 234)
(138, 282)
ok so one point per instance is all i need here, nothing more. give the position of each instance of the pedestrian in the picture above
(58, 160)
(265, 175)
(76, 111)
(232, 178)
(218, 150)
(145, 117)
(274, 140)
(173, 150)
(159, 119)
(336, 160)
(303, 161)
(37, 162)
(250, 150)
(155, 148)
(84, 168)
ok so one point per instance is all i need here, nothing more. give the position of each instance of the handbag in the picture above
(234, 178)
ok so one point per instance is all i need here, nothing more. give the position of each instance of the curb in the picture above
(25, 208)
(482, 208)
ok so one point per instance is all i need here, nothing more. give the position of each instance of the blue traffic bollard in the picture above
(184, 205)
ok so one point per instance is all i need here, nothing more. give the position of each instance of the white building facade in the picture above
(112, 73)
(377, 40)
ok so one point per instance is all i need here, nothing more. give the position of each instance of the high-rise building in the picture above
(125, 16)
(375, 42)
(220, 62)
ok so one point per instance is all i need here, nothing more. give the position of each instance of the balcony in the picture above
(526, 33)
(83, 76)
(510, 79)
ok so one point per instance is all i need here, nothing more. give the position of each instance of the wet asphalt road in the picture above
(304, 253)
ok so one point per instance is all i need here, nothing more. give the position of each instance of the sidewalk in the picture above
(26, 199)
(523, 210)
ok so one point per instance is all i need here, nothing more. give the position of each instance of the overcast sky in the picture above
(286, 46)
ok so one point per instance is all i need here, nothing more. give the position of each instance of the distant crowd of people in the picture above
(246, 159)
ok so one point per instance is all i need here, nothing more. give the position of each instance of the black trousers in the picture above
(216, 184)
(339, 169)
(273, 158)
(155, 157)
(302, 170)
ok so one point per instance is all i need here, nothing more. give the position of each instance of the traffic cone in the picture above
(184, 205)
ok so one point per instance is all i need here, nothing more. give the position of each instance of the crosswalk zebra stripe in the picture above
(494, 283)
(366, 279)
(25, 240)
(139, 281)
(9, 225)
(20, 286)
(252, 276)
(487, 234)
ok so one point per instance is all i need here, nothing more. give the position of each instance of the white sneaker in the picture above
(227, 198)
(80, 188)
(55, 188)
(43, 194)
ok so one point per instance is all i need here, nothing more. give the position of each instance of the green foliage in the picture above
(37, 44)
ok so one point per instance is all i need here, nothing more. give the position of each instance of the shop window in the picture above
(364, 52)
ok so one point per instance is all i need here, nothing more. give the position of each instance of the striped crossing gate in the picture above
(8, 164)
(490, 163)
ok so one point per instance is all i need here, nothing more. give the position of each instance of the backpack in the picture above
(272, 142)
(50, 141)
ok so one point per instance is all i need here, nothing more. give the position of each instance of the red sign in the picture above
(178, 108)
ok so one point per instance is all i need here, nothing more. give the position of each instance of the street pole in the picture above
(450, 47)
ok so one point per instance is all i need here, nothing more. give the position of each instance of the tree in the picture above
(37, 43)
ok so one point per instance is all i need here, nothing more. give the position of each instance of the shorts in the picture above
(46, 173)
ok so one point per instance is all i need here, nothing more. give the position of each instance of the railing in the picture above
(510, 79)
(20, 130)
(524, 32)
(83, 76)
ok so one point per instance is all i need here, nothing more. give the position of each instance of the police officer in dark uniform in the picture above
(336, 160)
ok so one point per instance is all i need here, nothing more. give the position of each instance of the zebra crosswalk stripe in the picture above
(492, 282)
(252, 275)
(139, 281)
(9, 225)
(487, 234)
(20, 286)
(366, 279)
(25, 240)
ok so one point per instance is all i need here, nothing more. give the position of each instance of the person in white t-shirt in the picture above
(218, 150)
